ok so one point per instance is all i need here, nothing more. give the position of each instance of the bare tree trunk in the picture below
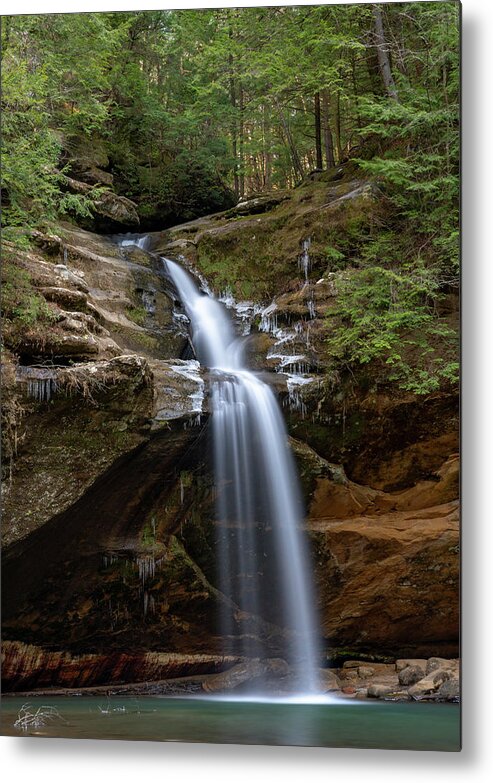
(232, 98)
(267, 154)
(297, 167)
(328, 142)
(338, 127)
(318, 132)
(383, 55)
(234, 140)
(256, 179)
(241, 162)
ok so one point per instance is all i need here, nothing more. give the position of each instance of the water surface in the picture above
(395, 726)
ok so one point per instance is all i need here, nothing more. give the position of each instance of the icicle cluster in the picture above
(268, 319)
(108, 560)
(41, 382)
(147, 567)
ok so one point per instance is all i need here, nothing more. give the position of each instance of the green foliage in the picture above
(384, 317)
(388, 306)
(185, 107)
(419, 137)
(52, 74)
(336, 259)
(20, 301)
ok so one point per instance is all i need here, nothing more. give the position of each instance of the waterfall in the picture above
(131, 240)
(258, 503)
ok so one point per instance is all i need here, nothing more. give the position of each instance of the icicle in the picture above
(147, 567)
(304, 263)
(268, 319)
(41, 382)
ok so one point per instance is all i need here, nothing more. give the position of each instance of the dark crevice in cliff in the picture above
(47, 574)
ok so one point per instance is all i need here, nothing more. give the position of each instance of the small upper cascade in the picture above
(134, 240)
(212, 333)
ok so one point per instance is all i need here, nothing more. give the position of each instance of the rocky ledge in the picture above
(29, 670)
(408, 679)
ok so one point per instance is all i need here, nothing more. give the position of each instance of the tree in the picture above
(383, 54)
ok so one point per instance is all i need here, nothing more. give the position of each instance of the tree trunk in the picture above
(338, 127)
(383, 55)
(328, 143)
(318, 132)
(297, 167)
(232, 98)
(267, 154)
(241, 134)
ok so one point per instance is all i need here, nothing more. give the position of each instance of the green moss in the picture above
(145, 340)
(137, 314)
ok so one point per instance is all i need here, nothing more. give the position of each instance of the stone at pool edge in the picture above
(411, 675)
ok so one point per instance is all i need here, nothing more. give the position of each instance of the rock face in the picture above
(109, 316)
(107, 466)
(111, 212)
(387, 566)
(25, 667)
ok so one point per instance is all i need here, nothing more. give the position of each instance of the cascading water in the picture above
(130, 240)
(259, 504)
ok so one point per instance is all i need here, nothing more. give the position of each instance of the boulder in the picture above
(255, 206)
(449, 690)
(349, 674)
(428, 686)
(411, 675)
(403, 663)
(76, 280)
(329, 681)
(110, 211)
(434, 664)
(65, 297)
(376, 691)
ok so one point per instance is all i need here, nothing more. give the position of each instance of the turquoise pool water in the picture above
(390, 725)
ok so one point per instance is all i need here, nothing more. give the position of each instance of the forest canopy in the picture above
(187, 111)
